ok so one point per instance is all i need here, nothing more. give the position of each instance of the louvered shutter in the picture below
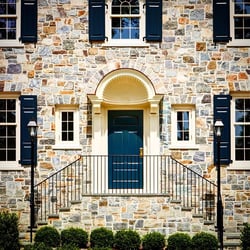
(154, 20)
(222, 112)
(221, 21)
(28, 112)
(28, 21)
(96, 20)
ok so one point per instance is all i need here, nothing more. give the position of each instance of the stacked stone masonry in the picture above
(187, 68)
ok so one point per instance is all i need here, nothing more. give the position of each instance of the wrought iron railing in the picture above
(125, 175)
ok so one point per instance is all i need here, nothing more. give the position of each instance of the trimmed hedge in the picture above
(9, 231)
(245, 237)
(48, 235)
(204, 241)
(153, 241)
(101, 238)
(127, 240)
(179, 241)
(74, 236)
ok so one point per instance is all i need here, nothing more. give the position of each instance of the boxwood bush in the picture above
(179, 241)
(74, 236)
(204, 241)
(101, 238)
(127, 240)
(153, 241)
(9, 231)
(245, 237)
(48, 235)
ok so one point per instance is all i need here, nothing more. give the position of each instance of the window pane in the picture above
(247, 155)
(2, 155)
(239, 155)
(239, 130)
(11, 155)
(239, 142)
(247, 142)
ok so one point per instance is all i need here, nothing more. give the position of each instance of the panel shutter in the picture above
(28, 21)
(28, 112)
(221, 21)
(96, 20)
(222, 112)
(154, 20)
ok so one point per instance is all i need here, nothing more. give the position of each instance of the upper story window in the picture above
(18, 22)
(9, 22)
(231, 22)
(67, 127)
(125, 22)
(240, 22)
(183, 126)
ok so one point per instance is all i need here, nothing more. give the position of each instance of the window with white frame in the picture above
(240, 131)
(240, 22)
(9, 131)
(9, 22)
(67, 127)
(125, 21)
(183, 126)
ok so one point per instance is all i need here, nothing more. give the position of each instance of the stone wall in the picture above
(63, 67)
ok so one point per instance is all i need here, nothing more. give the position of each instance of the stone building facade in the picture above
(186, 69)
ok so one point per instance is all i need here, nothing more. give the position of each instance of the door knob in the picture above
(141, 152)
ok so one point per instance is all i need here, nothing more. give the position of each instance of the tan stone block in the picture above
(46, 165)
(212, 65)
(66, 92)
(242, 76)
(201, 46)
(31, 74)
(232, 77)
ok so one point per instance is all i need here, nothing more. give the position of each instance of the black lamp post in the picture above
(218, 126)
(32, 127)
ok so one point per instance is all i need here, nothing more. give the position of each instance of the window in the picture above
(241, 130)
(15, 144)
(125, 22)
(240, 22)
(234, 112)
(183, 126)
(67, 127)
(15, 27)
(126, 19)
(9, 21)
(231, 22)
(8, 130)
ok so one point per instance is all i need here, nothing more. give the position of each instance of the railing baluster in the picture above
(91, 175)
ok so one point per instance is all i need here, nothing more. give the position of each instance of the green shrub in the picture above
(48, 235)
(101, 238)
(74, 236)
(179, 241)
(204, 241)
(68, 247)
(9, 231)
(38, 246)
(153, 241)
(127, 240)
(245, 237)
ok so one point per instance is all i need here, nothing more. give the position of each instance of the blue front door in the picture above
(125, 138)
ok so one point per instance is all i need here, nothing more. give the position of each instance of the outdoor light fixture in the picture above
(218, 126)
(32, 127)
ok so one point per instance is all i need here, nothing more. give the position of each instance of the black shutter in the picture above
(28, 112)
(154, 20)
(222, 112)
(28, 21)
(221, 21)
(96, 20)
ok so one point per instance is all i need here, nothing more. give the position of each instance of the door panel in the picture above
(125, 138)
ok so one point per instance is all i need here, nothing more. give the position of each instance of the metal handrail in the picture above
(159, 175)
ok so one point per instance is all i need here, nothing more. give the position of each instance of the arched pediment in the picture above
(125, 87)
